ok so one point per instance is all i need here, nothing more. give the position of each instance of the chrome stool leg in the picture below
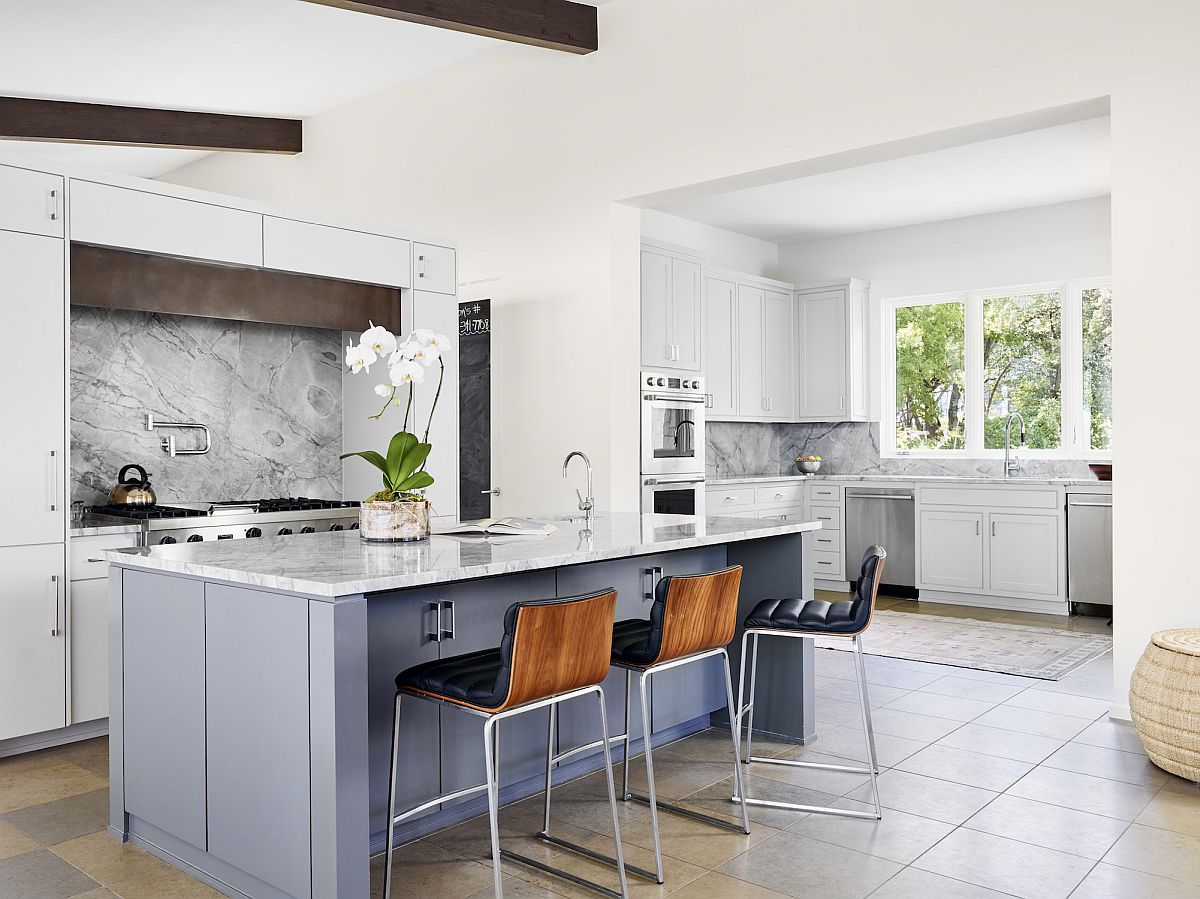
(860, 670)
(612, 794)
(647, 748)
(391, 828)
(753, 684)
(625, 797)
(738, 787)
(493, 791)
(549, 766)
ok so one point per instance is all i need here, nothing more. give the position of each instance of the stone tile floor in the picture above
(993, 786)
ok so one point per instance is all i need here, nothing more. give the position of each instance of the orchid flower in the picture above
(380, 340)
(426, 355)
(423, 336)
(406, 372)
(360, 358)
(384, 390)
(441, 342)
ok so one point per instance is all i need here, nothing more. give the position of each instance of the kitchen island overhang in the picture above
(252, 682)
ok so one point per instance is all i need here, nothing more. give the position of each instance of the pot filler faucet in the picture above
(586, 503)
(1012, 462)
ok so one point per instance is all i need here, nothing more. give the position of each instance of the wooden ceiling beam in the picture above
(24, 118)
(556, 24)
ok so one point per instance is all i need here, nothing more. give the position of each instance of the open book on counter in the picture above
(501, 527)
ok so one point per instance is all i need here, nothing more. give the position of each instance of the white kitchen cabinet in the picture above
(33, 663)
(778, 355)
(31, 202)
(671, 313)
(121, 217)
(720, 350)
(1023, 554)
(88, 634)
(951, 549)
(434, 269)
(33, 387)
(293, 246)
(831, 328)
(751, 389)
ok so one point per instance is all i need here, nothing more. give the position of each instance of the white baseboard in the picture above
(47, 739)
(1004, 603)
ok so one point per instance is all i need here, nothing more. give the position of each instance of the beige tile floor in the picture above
(993, 786)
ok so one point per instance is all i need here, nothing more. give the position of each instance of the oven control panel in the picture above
(661, 381)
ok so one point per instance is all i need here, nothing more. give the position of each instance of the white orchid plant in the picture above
(407, 360)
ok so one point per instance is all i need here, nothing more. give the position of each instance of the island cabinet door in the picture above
(473, 616)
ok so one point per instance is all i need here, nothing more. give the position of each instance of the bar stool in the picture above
(816, 618)
(552, 651)
(693, 618)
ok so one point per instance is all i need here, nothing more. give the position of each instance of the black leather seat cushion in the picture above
(637, 641)
(472, 678)
(819, 616)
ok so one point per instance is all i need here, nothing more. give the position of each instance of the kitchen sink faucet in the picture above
(1012, 462)
(587, 504)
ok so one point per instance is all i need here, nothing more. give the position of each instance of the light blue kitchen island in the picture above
(252, 682)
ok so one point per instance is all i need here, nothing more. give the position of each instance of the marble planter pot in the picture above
(398, 522)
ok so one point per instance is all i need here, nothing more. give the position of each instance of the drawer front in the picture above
(292, 246)
(729, 498)
(779, 494)
(783, 513)
(33, 202)
(827, 541)
(991, 498)
(829, 566)
(825, 493)
(829, 516)
(433, 269)
(138, 220)
(84, 549)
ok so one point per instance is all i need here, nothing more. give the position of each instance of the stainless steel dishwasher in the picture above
(883, 515)
(1089, 548)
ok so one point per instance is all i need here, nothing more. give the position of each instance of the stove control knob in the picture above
(650, 382)
(166, 540)
(195, 538)
(354, 527)
(662, 382)
(336, 527)
(308, 530)
(283, 532)
(253, 532)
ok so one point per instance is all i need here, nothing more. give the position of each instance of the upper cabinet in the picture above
(31, 202)
(720, 348)
(832, 354)
(113, 216)
(293, 246)
(433, 269)
(671, 310)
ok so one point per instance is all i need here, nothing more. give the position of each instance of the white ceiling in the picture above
(257, 57)
(1036, 168)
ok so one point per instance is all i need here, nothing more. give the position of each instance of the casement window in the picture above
(957, 365)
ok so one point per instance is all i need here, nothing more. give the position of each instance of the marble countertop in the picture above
(92, 527)
(904, 478)
(338, 563)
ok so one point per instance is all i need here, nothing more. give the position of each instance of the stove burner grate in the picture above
(141, 513)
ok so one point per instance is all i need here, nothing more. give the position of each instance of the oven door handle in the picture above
(654, 482)
(660, 398)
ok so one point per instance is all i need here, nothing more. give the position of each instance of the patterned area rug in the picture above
(1043, 652)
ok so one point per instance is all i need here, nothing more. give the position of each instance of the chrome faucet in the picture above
(587, 504)
(1012, 462)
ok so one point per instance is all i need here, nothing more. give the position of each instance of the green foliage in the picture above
(1097, 364)
(1022, 367)
(929, 376)
(401, 468)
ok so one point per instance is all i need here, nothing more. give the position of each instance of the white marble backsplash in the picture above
(270, 394)
(758, 448)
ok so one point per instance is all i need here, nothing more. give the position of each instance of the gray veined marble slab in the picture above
(90, 528)
(338, 563)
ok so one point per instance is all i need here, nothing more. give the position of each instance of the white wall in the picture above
(521, 153)
(720, 248)
(1025, 246)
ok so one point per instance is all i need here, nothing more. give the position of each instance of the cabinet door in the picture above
(31, 202)
(951, 547)
(292, 246)
(1023, 554)
(750, 388)
(778, 358)
(657, 351)
(822, 332)
(439, 313)
(720, 356)
(434, 269)
(87, 633)
(32, 644)
(139, 220)
(685, 318)
(32, 380)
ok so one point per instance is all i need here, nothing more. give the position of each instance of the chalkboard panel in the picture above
(475, 408)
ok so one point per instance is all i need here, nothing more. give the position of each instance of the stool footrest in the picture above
(436, 800)
(688, 813)
(558, 872)
(820, 766)
(813, 809)
(595, 856)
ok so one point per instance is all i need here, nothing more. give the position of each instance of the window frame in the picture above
(1074, 442)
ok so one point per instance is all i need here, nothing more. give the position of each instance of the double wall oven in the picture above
(672, 443)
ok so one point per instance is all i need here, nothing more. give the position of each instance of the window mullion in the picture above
(1074, 439)
(974, 375)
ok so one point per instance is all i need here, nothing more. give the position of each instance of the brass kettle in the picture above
(132, 491)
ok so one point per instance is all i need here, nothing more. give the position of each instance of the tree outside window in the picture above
(1022, 367)
(930, 386)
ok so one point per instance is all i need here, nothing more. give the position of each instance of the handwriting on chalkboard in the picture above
(475, 318)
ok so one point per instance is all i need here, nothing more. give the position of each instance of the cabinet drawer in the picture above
(137, 220)
(779, 494)
(84, 549)
(828, 565)
(825, 493)
(292, 246)
(992, 497)
(827, 541)
(33, 202)
(433, 269)
(783, 513)
(728, 498)
(829, 516)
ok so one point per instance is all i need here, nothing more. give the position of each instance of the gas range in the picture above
(196, 522)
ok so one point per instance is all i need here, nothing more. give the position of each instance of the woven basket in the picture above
(1164, 699)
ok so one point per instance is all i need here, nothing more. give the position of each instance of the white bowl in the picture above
(808, 466)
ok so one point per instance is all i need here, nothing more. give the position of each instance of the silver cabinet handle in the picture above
(436, 633)
(650, 579)
(447, 633)
(420, 266)
(977, 531)
(494, 491)
(54, 624)
(993, 529)
(53, 463)
(1090, 505)
(858, 496)
(95, 560)
(841, 403)
(52, 205)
